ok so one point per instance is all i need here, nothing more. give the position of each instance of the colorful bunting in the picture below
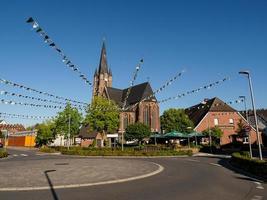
(3, 114)
(169, 82)
(52, 44)
(3, 101)
(209, 86)
(3, 81)
(2, 92)
(132, 82)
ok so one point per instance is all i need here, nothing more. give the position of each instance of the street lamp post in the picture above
(69, 134)
(249, 137)
(247, 73)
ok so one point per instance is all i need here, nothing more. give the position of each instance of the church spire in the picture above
(103, 65)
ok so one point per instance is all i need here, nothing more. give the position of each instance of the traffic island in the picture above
(71, 173)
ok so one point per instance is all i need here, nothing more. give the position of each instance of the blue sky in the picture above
(210, 39)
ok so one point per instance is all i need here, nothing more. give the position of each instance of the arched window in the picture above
(125, 121)
(153, 117)
(146, 115)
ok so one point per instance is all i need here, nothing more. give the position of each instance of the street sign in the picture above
(247, 128)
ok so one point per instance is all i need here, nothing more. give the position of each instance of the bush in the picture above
(254, 166)
(3, 154)
(46, 149)
(127, 152)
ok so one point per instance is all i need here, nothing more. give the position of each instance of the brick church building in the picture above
(146, 112)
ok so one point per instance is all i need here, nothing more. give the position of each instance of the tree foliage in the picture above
(176, 120)
(137, 131)
(102, 115)
(214, 132)
(45, 133)
(240, 129)
(62, 121)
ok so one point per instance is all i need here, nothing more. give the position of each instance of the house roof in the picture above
(85, 132)
(137, 93)
(197, 112)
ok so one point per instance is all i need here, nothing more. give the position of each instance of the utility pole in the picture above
(247, 73)
(249, 137)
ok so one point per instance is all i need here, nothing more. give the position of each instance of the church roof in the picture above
(103, 65)
(137, 93)
(197, 112)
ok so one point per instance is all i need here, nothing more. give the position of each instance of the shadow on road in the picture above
(54, 194)
(226, 163)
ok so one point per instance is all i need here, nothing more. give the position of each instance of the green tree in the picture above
(62, 121)
(215, 133)
(176, 120)
(102, 115)
(240, 129)
(45, 133)
(137, 131)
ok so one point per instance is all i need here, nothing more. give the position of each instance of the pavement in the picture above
(182, 178)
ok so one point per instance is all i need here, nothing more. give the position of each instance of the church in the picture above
(137, 109)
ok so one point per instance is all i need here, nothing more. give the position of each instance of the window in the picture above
(231, 121)
(125, 121)
(146, 116)
(216, 121)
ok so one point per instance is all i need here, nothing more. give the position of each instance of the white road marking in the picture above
(256, 197)
(215, 164)
(23, 154)
(259, 186)
(192, 160)
(15, 155)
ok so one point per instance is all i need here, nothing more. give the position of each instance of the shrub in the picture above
(127, 152)
(254, 166)
(3, 154)
(46, 149)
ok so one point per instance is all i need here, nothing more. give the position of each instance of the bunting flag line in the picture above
(132, 82)
(169, 82)
(3, 114)
(3, 81)
(209, 86)
(216, 105)
(10, 102)
(2, 92)
(53, 45)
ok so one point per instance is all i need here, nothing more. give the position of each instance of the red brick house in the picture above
(146, 112)
(215, 112)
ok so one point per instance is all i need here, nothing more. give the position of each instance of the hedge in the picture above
(254, 166)
(118, 152)
(3, 154)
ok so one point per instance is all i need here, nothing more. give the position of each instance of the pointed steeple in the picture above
(95, 72)
(103, 65)
(110, 72)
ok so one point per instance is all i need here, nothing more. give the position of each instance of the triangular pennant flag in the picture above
(30, 20)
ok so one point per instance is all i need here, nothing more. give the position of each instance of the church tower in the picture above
(103, 75)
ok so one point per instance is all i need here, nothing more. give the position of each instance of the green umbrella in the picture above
(175, 134)
(195, 134)
(157, 136)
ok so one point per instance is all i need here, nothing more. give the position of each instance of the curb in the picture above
(212, 155)
(159, 170)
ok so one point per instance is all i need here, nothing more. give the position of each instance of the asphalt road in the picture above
(182, 178)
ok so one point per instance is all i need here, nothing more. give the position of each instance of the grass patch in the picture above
(3, 154)
(254, 166)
